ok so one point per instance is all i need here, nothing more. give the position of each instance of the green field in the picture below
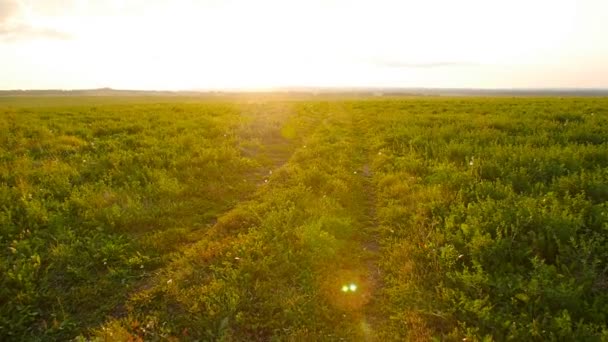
(271, 218)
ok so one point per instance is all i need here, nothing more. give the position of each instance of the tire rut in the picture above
(372, 316)
(276, 152)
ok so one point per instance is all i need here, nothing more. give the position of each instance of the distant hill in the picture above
(361, 91)
(454, 91)
(90, 92)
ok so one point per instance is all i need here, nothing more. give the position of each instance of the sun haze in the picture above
(233, 44)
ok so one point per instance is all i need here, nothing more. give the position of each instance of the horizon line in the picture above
(308, 88)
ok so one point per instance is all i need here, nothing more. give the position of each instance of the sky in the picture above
(262, 44)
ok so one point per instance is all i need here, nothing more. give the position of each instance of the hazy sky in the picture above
(178, 44)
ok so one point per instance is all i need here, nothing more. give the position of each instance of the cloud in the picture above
(16, 32)
(423, 65)
(14, 27)
(8, 10)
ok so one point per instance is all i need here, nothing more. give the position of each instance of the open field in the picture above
(309, 219)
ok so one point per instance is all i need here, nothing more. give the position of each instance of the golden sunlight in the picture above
(270, 43)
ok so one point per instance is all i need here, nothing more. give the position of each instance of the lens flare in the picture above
(349, 288)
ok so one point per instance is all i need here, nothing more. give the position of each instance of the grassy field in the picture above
(270, 218)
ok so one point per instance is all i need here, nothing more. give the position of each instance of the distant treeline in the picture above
(319, 91)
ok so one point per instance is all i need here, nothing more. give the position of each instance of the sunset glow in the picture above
(263, 44)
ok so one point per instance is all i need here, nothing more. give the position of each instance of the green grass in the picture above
(493, 217)
(94, 199)
(242, 218)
